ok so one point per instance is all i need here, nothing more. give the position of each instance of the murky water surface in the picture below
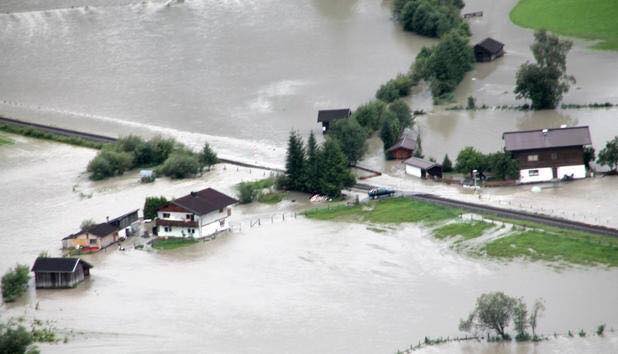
(276, 288)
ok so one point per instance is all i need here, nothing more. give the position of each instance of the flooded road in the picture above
(269, 289)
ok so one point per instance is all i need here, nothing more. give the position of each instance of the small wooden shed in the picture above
(488, 49)
(327, 116)
(403, 148)
(56, 273)
(423, 168)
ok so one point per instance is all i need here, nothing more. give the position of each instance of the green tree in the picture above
(108, 163)
(451, 58)
(152, 204)
(312, 166)
(334, 172)
(16, 340)
(589, 155)
(402, 111)
(352, 138)
(503, 165)
(470, 159)
(295, 163)
(418, 152)
(390, 130)
(520, 320)
(86, 224)
(493, 311)
(545, 81)
(537, 311)
(180, 164)
(369, 115)
(609, 155)
(208, 156)
(447, 165)
(246, 193)
(15, 282)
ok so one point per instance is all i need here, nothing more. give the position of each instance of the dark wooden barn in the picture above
(126, 220)
(488, 49)
(327, 116)
(403, 148)
(56, 273)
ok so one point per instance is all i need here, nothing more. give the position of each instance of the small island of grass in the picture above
(595, 20)
(5, 140)
(172, 243)
(465, 230)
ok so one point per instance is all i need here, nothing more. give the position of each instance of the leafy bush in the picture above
(16, 340)
(430, 18)
(352, 137)
(250, 191)
(15, 282)
(447, 165)
(369, 115)
(390, 130)
(395, 88)
(180, 164)
(109, 163)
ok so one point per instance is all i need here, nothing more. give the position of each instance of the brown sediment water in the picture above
(275, 288)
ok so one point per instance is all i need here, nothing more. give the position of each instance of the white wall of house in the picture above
(578, 171)
(414, 171)
(179, 216)
(177, 231)
(542, 174)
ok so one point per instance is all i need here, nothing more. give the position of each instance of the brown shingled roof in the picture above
(405, 141)
(205, 201)
(546, 138)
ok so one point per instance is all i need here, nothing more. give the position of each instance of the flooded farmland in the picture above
(268, 289)
(241, 74)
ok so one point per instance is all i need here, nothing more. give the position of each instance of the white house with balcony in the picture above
(198, 214)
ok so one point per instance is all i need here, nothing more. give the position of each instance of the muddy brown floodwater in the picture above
(298, 286)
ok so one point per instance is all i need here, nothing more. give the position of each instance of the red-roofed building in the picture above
(198, 214)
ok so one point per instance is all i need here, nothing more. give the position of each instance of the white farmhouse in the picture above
(198, 214)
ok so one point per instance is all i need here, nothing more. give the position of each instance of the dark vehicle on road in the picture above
(380, 193)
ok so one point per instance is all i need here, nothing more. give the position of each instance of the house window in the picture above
(168, 229)
(221, 223)
(221, 210)
(93, 241)
(166, 215)
(533, 173)
(533, 157)
(188, 216)
(191, 231)
(554, 156)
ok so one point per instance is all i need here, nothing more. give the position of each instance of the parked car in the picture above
(380, 193)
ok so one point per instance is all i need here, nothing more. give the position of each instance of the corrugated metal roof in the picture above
(420, 163)
(547, 138)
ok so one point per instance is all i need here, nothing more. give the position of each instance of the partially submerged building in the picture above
(423, 168)
(198, 214)
(549, 154)
(328, 116)
(99, 236)
(403, 148)
(488, 49)
(54, 273)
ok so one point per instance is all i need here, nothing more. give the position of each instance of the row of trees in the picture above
(431, 18)
(500, 163)
(174, 159)
(495, 311)
(316, 169)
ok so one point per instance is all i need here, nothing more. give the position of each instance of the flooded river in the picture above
(276, 288)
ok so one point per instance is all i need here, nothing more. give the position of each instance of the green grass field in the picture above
(467, 230)
(589, 19)
(395, 210)
(5, 141)
(563, 245)
(172, 243)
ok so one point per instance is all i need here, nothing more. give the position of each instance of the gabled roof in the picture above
(420, 163)
(491, 45)
(406, 141)
(328, 115)
(98, 230)
(57, 265)
(546, 138)
(205, 201)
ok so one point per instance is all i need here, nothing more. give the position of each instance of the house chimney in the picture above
(107, 218)
(545, 132)
(194, 194)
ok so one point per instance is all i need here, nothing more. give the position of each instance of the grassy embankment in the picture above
(587, 19)
(39, 134)
(539, 242)
(172, 243)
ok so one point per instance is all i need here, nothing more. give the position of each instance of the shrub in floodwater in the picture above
(570, 334)
(600, 330)
(582, 333)
(15, 282)
(471, 103)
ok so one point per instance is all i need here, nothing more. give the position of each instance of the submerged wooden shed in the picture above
(488, 50)
(56, 273)
(328, 116)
